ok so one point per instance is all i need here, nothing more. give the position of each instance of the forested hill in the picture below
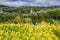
(24, 9)
(4, 6)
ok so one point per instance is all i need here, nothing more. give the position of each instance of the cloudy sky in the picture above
(30, 2)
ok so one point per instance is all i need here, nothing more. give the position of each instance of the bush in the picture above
(18, 20)
(27, 20)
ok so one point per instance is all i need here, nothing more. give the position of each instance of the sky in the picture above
(30, 2)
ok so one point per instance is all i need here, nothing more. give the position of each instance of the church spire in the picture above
(31, 12)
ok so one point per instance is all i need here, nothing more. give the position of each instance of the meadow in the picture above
(17, 23)
(41, 31)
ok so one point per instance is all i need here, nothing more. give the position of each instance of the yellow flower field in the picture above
(41, 31)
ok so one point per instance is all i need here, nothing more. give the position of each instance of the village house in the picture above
(32, 12)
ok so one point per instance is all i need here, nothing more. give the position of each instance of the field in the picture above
(29, 23)
(41, 31)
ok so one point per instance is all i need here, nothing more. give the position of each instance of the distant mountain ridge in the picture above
(30, 6)
(58, 6)
(4, 6)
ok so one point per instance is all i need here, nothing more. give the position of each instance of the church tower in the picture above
(31, 12)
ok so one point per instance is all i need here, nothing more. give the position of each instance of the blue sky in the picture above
(30, 2)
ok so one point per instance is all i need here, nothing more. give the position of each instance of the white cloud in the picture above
(32, 3)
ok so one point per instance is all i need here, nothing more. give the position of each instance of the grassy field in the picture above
(41, 31)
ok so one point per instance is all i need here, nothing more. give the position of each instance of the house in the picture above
(32, 12)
